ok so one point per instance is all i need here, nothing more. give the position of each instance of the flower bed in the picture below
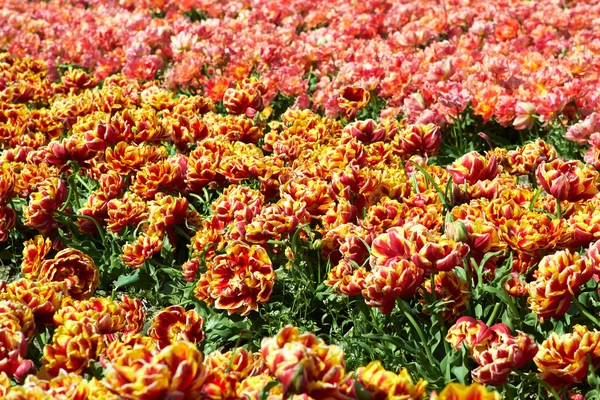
(348, 200)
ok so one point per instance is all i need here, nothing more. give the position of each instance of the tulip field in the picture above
(299, 199)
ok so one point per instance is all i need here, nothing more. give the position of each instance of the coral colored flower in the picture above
(7, 182)
(239, 362)
(560, 276)
(13, 348)
(485, 101)
(347, 279)
(351, 100)
(173, 324)
(365, 131)
(239, 280)
(243, 101)
(473, 167)
(437, 252)
(48, 197)
(304, 364)
(43, 298)
(385, 283)
(418, 139)
(133, 312)
(34, 252)
(102, 312)
(140, 373)
(568, 180)
(73, 345)
(17, 316)
(8, 220)
(135, 374)
(216, 87)
(128, 211)
(75, 269)
(65, 385)
(563, 359)
(4, 384)
(582, 130)
(457, 391)
(468, 330)
(144, 247)
(393, 245)
(386, 384)
(450, 289)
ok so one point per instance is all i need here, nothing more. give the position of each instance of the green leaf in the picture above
(396, 341)
(461, 372)
(96, 369)
(127, 280)
(361, 392)
(531, 319)
(478, 311)
(264, 393)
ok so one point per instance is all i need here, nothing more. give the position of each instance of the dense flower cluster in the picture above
(515, 62)
(136, 368)
(493, 348)
(245, 141)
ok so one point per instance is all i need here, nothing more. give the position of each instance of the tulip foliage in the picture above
(299, 199)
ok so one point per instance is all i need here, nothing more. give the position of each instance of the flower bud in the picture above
(27, 367)
(457, 231)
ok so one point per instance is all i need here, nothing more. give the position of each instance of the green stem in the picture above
(76, 216)
(585, 312)
(512, 306)
(417, 328)
(470, 286)
(478, 270)
(182, 232)
(535, 379)
(437, 188)
(521, 137)
(13, 206)
(437, 315)
(558, 210)
(68, 201)
(432, 282)
(492, 317)
(84, 183)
